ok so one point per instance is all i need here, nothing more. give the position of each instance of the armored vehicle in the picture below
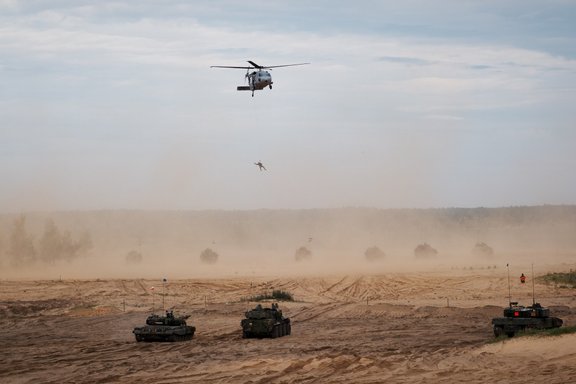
(164, 328)
(374, 254)
(425, 251)
(519, 318)
(482, 249)
(265, 322)
(302, 254)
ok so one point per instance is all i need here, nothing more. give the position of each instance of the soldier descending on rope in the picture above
(522, 279)
(260, 165)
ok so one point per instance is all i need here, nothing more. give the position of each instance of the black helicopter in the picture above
(259, 78)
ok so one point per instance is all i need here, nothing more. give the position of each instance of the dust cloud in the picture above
(146, 244)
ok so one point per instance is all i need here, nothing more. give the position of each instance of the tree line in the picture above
(20, 248)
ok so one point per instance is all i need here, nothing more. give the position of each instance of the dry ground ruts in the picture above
(395, 328)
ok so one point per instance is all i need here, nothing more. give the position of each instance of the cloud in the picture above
(404, 60)
(383, 77)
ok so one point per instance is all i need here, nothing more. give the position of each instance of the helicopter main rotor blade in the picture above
(226, 66)
(285, 65)
(273, 66)
(256, 65)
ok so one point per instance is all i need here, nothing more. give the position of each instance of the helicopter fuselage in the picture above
(259, 79)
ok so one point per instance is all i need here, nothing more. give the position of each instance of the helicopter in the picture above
(259, 78)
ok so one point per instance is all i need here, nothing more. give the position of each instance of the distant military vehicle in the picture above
(164, 328)
(374, 254)
(302, 254)
(208, 256)
(265, 322)
(133, 257)
(482, 249)
(519, 318)
(425, 251)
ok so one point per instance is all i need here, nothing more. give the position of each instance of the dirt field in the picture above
(426, 327)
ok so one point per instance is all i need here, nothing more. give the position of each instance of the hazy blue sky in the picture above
(113, 104)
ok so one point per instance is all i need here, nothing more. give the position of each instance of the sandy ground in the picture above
(419, 327)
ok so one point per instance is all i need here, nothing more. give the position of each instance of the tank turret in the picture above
(165, 328)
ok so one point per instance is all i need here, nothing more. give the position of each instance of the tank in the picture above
(425, 251)
(164, 328)
(302, 254)
(518, 318)
(482, 249)
(265, 322)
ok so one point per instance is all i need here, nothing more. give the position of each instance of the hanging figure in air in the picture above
(522, 279)
(260, 166)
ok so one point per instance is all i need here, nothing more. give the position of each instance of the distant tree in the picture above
(85, 243)
(50, 245)
(302, 254)
(208, 256)
(1, 249)
(70, 248)
(21, 246)
(56, 245)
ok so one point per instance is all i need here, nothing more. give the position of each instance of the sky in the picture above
(411, 104)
